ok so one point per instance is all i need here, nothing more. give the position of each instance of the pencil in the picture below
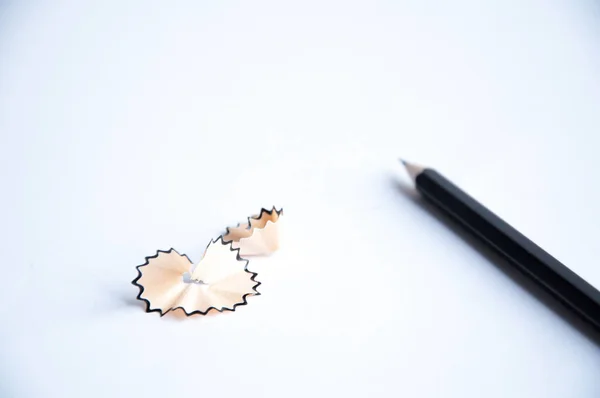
(524, 255)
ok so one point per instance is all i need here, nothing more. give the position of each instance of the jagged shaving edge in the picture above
(258, 217)
(198, 312)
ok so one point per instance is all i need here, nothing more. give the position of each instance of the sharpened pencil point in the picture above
(413, 169)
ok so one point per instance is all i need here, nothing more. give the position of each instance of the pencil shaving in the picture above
(221, 280)
(260, 235)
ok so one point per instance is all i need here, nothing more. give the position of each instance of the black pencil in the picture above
(549, 273)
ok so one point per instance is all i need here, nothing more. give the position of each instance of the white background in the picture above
(128, 127)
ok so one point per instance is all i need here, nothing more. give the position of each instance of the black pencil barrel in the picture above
(526, 256)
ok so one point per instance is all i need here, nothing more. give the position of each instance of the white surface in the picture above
(130, 127)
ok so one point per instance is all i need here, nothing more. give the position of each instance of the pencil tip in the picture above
(412, 169)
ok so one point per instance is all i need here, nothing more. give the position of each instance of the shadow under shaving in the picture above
(500, 262)
(177, 314)
(131, 300)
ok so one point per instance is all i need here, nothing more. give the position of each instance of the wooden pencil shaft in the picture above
(522, 253)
